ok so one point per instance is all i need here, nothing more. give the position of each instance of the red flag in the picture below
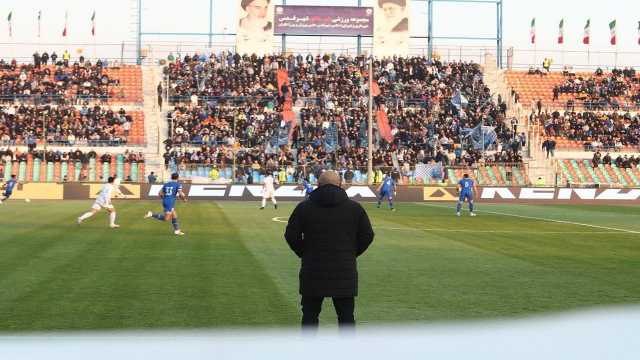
(383, 125)
(375, 89)
(283, 79)
(66, 21)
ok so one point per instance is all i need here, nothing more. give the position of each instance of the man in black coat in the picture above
(328, 232)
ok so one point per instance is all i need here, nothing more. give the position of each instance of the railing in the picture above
(424, 174)
(43, 99)
(74, 143)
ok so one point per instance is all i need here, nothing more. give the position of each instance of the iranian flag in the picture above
(93, 23)
(586, 39)
(66, 21)
(612, 29)
(532, 32)
(561, 32)
(9, 21)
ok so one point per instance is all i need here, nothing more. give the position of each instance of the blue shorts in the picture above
(387, 194)
(465, 195)
(168, 206)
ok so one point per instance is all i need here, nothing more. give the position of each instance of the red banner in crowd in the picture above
(383, 125)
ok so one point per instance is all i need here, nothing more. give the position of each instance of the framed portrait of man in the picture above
(391, 28)
(255, 27)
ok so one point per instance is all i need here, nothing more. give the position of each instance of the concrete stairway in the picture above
(151, 75)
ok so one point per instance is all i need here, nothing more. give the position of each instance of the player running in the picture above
(268, 191)
(103, 201)
(387, 189)
(8, 188)
(169, 193)
(308, 188)
(466, 188)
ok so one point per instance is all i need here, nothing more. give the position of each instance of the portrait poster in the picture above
(391, 28)
(254, 34)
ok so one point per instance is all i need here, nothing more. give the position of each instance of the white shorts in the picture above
(101, 205)
(267, 195)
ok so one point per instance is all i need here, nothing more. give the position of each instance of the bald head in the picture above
(330, 177)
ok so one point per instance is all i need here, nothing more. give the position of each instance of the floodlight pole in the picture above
(359, 46)
(430, 30)
(210, 23)
(139, 37)
(284, 36)
(370, 126)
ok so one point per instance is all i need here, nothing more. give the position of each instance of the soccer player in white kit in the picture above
(268, 190)
(103, 201)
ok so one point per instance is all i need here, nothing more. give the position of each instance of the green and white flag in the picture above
(561, 32)
(612, 28)
(532, 32)
(9, 21)
(586, 38)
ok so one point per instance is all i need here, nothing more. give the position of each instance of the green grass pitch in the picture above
(234, 269)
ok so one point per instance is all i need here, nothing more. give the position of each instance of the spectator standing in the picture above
(66, 57)
(549, 145)
(152, 178)
(328, 232)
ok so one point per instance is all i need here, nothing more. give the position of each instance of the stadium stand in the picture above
(618, 89)
(68, 104)
(70, 125)
(432, 107)
(58, 166)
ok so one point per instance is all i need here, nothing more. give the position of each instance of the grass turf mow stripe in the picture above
(234, 269)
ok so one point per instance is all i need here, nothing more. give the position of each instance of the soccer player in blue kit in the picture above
(169, 193)
(8, 188)
(308, 188)
(466, 187)
(387, 189)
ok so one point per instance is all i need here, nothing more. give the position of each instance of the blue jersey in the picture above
(170, 191)
(11, 184)
(307, 187)
(466, 184)
(388, 185)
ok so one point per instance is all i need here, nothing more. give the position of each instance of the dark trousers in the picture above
(311, 307)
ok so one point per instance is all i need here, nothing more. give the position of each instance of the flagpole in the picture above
(370, 126)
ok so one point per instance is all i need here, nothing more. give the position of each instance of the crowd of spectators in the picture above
(64, 125)
(621, 161)
(9, 155)
(597, 130)
(602, 91)
(226, 101)
(62, 82)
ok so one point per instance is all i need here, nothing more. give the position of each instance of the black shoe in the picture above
(262, 208)
(275, 206)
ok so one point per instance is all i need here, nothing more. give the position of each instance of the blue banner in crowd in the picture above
(478, 134)
(331, 138)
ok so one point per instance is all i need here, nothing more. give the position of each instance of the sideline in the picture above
(279, 219)
(543, 219)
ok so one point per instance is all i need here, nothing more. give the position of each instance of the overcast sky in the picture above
(115, 24)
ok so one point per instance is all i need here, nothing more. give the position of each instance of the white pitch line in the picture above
(279, 219)
(546, 219)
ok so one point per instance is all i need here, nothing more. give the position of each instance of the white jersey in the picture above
(104, 197)
(269, 184)
(269, 187)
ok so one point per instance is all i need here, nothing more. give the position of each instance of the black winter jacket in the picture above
(328, 232)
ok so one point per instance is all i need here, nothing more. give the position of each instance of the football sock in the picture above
(112, 218)
(158, 217)
(86, 215)
(459, 207)
(174, 222)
